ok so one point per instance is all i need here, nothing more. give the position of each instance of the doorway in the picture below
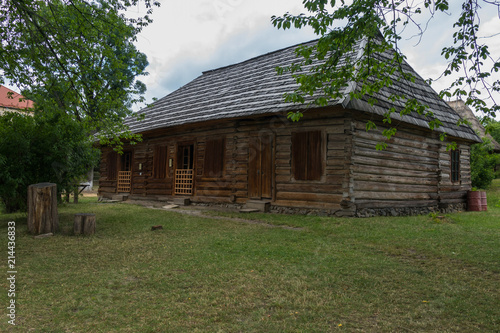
(125, 173)
(260, 167)
(184, 171)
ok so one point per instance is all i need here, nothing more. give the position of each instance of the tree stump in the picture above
(84, 224)
(42, 208)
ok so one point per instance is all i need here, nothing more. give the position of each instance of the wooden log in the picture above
(42, 208)
(310, 188)
(392, 187)
(307, 204)
(84, 224)
(309, 197)
(360, 204)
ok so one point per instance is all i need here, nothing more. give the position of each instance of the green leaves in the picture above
(46, 147)
(341, 25)
(472, 61)
(483, 164)
(76, 56)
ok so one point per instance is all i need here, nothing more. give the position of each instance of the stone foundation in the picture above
(220, 205)
(368, 212)
(348, 212)
(311, 211)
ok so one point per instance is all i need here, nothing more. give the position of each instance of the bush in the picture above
(483, 164)
(46, 147)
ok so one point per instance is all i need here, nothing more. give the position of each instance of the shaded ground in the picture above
(195, 210)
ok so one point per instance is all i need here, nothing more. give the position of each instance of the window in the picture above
(160, 162)
(126, 161)
(185, 156)
(112, 165)
(213, 165)
(455, 165)
(307, 155)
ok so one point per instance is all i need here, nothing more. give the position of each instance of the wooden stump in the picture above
(42, 208)
(84, 224)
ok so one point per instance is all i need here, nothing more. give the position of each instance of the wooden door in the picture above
(184, 173)
(260, 167)
(124, 184)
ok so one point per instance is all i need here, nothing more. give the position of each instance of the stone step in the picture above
(182, 201)
(260, 205)
(120, 197)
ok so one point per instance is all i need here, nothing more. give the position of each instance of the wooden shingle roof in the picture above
(253, 87)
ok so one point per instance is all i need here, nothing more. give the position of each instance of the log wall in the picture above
(453, 194)
(106, 186)
(331, 191)
(414, 170)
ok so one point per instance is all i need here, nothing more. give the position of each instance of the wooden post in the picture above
(84, 224)
(42, 208)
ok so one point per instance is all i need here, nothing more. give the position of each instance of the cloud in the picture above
(189, 37)
(185, 40)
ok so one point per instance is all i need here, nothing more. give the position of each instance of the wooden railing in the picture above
(124, 181)
(184, 181)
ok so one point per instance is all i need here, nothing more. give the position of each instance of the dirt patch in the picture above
(201, 212)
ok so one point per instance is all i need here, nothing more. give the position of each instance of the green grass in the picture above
(201, 274)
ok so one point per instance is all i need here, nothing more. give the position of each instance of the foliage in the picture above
(492, 127)
(483, 163)
(77, 56)
(324, 69)
(48, 147)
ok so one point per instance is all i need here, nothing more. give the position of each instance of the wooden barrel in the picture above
(474, 201)
(484, 202)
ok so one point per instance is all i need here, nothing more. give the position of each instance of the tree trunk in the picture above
(84, 224)
(42, 208)
(75, 195)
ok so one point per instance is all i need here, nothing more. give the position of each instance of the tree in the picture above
(76, 60)
(382, 24)
(76, 56)
(47, 147)
(482, 164)
(492, 127)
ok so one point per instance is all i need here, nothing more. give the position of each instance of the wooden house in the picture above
(224, 138)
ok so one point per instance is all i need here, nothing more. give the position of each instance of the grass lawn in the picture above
(206, 274)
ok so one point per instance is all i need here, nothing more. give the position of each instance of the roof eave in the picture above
(360, 105)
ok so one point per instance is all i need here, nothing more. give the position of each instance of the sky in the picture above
(188, 37)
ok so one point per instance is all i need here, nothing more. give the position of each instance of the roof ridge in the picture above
(352, 85)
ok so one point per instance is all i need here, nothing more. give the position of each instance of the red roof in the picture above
(13, 101)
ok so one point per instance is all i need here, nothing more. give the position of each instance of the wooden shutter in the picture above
(160, 162)
(307, 155)
(112, 165)
(213, 165)
(299, 155)
(315, 156)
